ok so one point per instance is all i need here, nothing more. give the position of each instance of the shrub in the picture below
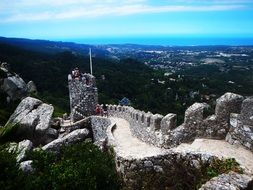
(217, 167)
(7, 133)
(11, 177)
(81, 166)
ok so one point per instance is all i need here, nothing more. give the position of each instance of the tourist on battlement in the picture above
(76, 74)
(98, 110)
(105, 110)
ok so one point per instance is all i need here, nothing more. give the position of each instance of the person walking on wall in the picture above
(98, 109)
(105, 110)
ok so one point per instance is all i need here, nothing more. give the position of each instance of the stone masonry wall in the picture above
(162, 131)
(172, 170)
(241, 126)
(83, 97)
(99, 126)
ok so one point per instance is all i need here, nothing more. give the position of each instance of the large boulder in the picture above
(32, 118)
(72, 138)
(26, 166)
(31, 87)
(229, 181)
(21, 149)
(15, 87)
(11, 83)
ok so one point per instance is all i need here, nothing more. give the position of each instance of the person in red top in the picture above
(98, 110)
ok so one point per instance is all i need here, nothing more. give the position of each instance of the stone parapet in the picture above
(162, 131)
(241, 126)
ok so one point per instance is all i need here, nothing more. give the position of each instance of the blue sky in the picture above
(69, 19)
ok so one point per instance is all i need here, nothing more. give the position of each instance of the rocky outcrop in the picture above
(75, 136)
(229, 181)
(21, 149)
(31, 87)
(11, 83)
(15, 87)
(26, 166)
(32, 118)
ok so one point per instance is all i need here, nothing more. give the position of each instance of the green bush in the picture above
(11, 177)
(7, 133)
(217, 167)
(81, 166)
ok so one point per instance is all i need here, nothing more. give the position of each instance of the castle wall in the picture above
(171, 170)
(161, 131)
(99, 126)
(241, 126)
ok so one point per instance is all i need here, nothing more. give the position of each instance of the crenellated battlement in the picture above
(162, 131)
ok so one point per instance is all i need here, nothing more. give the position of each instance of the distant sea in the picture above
(166, 41)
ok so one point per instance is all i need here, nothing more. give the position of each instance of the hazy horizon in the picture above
(157, 40)
(104, 19)
(165, 40)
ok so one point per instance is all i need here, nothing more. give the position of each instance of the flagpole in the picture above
(90, 62)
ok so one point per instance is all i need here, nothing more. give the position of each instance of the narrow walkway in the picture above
(129, 146)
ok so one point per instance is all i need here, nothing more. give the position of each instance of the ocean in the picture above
(166, 41)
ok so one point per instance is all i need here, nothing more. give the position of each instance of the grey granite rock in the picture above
(76, 136)
(229, 181)
(22, 148)
(32, 117)
(15, 87)
(31, 87)
(26, 166)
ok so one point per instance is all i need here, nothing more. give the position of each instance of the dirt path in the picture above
(130, 146)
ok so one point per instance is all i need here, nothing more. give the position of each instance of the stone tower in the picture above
(83, 96)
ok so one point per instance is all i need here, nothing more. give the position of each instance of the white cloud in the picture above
(30, 10)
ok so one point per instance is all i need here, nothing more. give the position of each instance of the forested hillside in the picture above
(146, 88)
